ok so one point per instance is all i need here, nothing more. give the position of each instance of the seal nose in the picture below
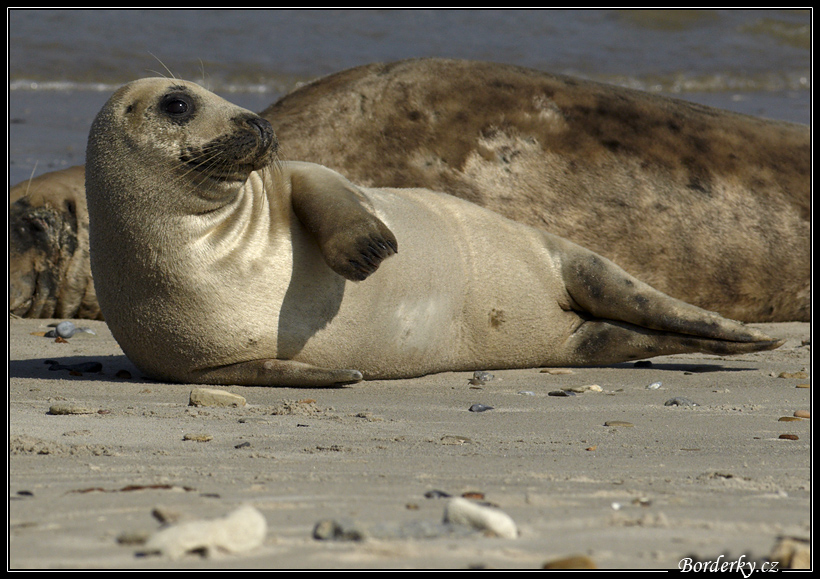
(265, 130)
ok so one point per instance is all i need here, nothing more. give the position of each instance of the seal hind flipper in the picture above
(352, 239)
(272, 372)
(602, 342)
(627, 314)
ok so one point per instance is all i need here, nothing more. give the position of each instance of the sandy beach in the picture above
(99, 455)
(659, 484)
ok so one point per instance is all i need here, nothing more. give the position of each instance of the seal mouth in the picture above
(233, 157)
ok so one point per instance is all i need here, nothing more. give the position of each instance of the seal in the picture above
(709, 206)
(49, 269)
(216, 264)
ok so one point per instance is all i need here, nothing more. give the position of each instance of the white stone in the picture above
(466, 512)
(580, 389)
(214, 397)
(239, 531)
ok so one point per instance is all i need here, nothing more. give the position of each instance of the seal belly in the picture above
(409, 313)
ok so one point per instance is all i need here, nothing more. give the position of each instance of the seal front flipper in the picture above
(352, 239)
(272, 372)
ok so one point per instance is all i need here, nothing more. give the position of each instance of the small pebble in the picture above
(654, 386)
(581, 389)
(123, 374)
(792, 553)
(571, 562)
(789, 437)
(198, 437)
(245, 444)
(480, 378)
(618, 423)
(133, 538)
(527, 393)
(215, 397)
(66, 330)
(680, 401)
(436, 494)
(557, 371)
(480, 408)
(331, 530)
(70, 408)
(166, 515)
(561, 393)
(789, 419)
(803, 386)
(254, 420)
(802, 414)
(801, 374)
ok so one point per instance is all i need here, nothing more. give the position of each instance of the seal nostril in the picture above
(264, 129)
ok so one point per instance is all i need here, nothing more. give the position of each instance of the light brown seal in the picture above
(216, 264)
(49, 270)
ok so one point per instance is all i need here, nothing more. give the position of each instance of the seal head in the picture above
(167, 131)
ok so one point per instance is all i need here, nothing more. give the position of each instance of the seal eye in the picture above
(177, 106)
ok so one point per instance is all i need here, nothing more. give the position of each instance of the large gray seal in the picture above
(216, 264)
(709, 206)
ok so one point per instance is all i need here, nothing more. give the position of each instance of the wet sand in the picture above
(681, 481)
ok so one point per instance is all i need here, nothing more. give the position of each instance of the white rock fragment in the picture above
(215, 397)
(465, 512)
(581, 389)
(239, 531)
(70, 408)
(66, 330)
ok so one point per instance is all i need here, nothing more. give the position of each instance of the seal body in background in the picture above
(49, 269)
(215, 263)
(709, 206)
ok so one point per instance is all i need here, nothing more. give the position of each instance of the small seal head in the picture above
(165, 125)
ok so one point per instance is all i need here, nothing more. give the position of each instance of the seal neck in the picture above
(246, 223)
